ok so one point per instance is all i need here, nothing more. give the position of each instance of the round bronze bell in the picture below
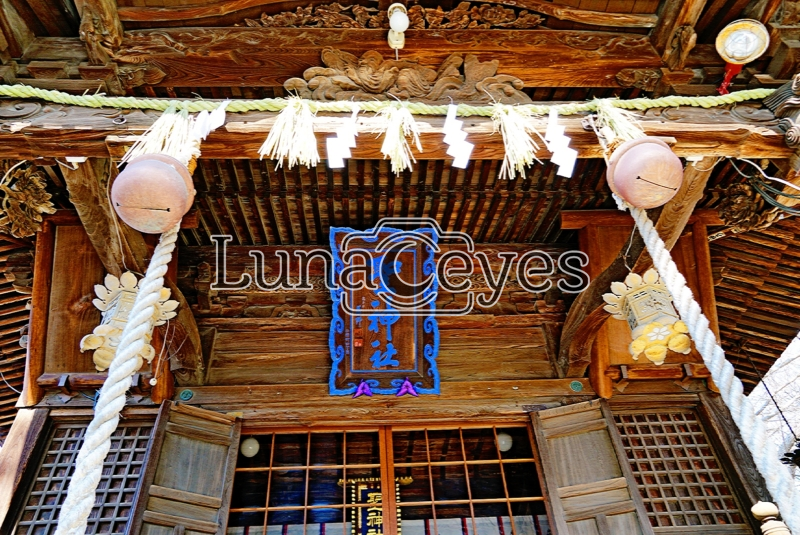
(645, 172)
(153, 193)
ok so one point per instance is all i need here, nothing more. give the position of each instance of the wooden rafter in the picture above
(586, 315)
(674, 36)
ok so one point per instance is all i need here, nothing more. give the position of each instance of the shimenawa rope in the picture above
(417, 108)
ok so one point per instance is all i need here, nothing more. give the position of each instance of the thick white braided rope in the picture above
(97, 441)
(752, 428)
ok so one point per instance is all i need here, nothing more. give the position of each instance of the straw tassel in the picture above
(172, 134)
(400, 125)
(292, 137)
(514, 124)
(617, 125)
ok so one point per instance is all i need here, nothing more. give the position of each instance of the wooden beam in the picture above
(225, 7)
(116, 243)
(30, 131)
(15, 33)
(256, 57)
(310, 404)
(40, 305)
(674, 36)
(586, 315)
(578, 219)
(123, 248)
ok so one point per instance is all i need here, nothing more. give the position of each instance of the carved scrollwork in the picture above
(347, 77)
(785, 104)
(792, 132)
(20, 110)
(24, 200)
(743, 209)
(683, 41)
(462, 17)
(645, 79)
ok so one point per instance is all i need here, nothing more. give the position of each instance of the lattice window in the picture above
(450, 481)
(678, 473)
(463, 483)
(295, 482)
(118, 484)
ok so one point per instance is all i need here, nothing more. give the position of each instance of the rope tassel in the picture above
(292, 136)
(400, 125)
(513, 123)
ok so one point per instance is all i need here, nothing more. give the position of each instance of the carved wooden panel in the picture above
(370, 77)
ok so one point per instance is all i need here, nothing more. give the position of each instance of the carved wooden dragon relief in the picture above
(462, 17)
(370, 77)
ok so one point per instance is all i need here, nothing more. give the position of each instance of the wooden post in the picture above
(40, 304)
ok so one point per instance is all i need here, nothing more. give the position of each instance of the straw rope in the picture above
(417, 108)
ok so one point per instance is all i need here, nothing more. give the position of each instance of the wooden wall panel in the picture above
(601, 242)
(291, 357)
(76, 269)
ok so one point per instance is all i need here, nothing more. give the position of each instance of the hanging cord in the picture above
(764, 189)
(89, 463)
(8, 385)
(778, 477)
(628, 250)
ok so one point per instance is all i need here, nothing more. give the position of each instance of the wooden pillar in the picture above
(40, 304)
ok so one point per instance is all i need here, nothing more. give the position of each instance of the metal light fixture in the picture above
(738, 43)
(398, 23)
(504, 442)
(249, 447)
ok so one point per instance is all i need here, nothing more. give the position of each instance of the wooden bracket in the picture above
(623, 383)
(64, 386)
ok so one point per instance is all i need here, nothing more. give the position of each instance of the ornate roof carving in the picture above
(370, 77)
(462, 17)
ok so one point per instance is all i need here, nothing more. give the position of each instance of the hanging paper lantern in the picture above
(645, 303)
(153, 193)
(645, 172)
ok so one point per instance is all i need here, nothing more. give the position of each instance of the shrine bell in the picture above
(645, 172)
(153, 193)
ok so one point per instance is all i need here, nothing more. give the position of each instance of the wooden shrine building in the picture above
(273, 404)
